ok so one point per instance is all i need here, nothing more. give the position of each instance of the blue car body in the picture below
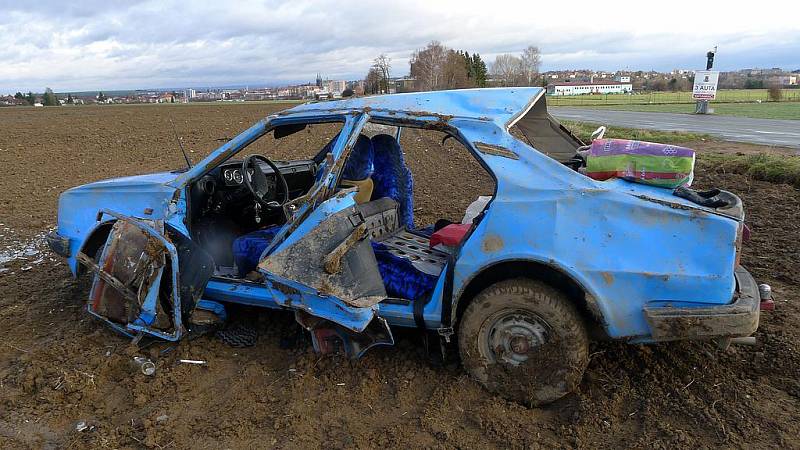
(642, 263)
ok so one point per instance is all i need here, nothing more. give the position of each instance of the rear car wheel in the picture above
(524, 340)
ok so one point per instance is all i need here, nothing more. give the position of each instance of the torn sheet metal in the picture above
(328, 337)
(140, 281)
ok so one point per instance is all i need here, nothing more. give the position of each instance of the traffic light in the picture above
(710, 63)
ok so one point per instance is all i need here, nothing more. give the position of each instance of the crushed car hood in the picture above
(135, 182)
(146, 196)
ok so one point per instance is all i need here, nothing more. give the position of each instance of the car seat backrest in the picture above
(392, 178)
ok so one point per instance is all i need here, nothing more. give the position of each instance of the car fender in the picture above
(523, 265)
(91, 242)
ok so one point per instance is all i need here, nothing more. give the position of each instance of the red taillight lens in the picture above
(745, 232)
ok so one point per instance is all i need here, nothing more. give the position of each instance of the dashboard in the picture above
(221, 207)
(232, 176)
(222, 190)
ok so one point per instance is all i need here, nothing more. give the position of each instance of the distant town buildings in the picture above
(561, 82)
(10, 100)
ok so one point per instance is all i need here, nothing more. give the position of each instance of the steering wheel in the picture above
(257, 182)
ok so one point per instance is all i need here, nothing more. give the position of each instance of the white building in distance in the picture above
(336, 86)
(605, 87)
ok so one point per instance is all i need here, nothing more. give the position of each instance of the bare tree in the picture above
(530, 61)
(372, 83)
(383, 65)
(427, 66)
(775, 93)
(508, 70)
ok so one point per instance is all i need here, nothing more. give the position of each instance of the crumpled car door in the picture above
(326, 269)
(148, 278)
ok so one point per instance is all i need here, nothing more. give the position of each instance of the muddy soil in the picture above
(59, 368)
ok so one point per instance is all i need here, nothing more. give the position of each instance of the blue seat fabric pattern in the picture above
(400, 278)
(391, 177)
(247, 249)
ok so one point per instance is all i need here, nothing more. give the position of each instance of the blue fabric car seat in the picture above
(247, 249)
(400, 278)
(392, 178)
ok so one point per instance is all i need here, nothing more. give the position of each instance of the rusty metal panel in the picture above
(136, 287)
(331, 257)
(131, 264)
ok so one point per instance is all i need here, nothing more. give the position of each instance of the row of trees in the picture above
(522, 70)
(48, 98)
(437, 67)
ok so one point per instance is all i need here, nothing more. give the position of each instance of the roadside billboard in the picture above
(705, 85)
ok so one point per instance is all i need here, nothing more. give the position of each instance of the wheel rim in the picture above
(514, 335)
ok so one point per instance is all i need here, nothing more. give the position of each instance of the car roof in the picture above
(500, 105)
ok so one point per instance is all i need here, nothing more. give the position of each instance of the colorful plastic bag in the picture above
(662, 165)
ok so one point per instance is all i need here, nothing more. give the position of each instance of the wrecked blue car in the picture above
(550, 261)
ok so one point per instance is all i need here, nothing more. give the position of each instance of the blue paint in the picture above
(148, 313)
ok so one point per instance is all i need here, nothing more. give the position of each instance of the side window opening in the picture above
(447, 177)
(429, 172)
(421, 190)
(228, 221)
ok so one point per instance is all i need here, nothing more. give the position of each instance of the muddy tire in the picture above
(525, 341)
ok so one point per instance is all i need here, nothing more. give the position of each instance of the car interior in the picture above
(236, 211)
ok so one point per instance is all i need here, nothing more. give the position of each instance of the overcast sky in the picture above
(127, 44)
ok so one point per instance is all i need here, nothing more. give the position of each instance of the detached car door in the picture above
(148, 278)
(327, 271)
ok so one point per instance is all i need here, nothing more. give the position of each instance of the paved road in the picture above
(783, 133)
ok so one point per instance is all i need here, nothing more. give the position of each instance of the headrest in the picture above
(386, 143)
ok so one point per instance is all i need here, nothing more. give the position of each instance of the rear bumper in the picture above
(58, 244)
(736, 319)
